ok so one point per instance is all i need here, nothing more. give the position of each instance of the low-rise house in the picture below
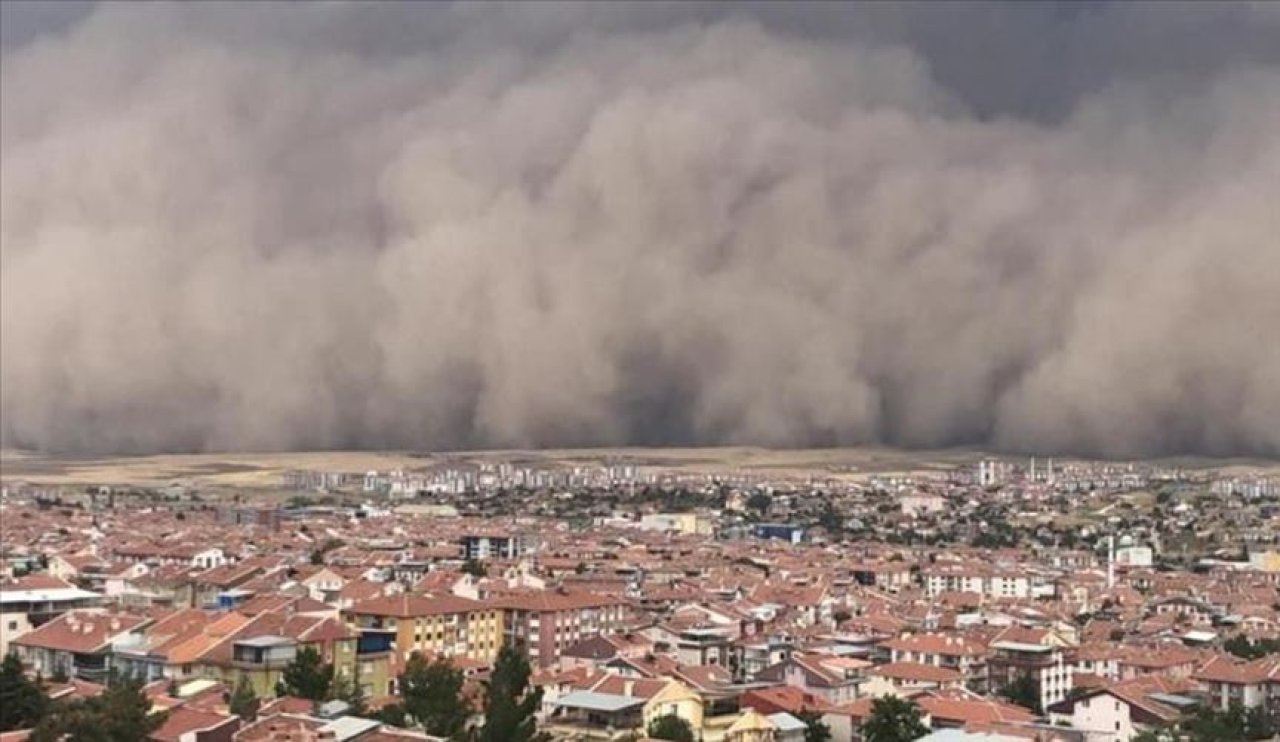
(835, 683)
(258, 652)
(959, 708)
(754, 654)
(186, 724)
(71, 566)
(887, 576)
(596, 651)
(76, 644)
(322, 583)
(1249, 684)
(1120, 711)
(205, 588)
(908, 678)
(1194, 609)
(32, 601)
(610, 704)
(751, 726)
(954, 651)
(1161, 659)
(1098, 659)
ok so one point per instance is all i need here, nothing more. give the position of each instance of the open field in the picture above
(263, 470)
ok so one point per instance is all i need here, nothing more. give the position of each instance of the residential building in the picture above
(34, 600)
(545, 623)
(493, 546)
(434, 625)
(76, 644)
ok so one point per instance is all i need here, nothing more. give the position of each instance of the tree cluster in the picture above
(1024, 691)
(671, 728)
(309, 676)
(1235, 724)
(1242, 647)
(121, 713)
(432, 698)
(893, 719)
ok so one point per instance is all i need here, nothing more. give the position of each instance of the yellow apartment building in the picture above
(435, 625)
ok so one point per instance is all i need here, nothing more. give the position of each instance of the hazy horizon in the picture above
(1019, 227)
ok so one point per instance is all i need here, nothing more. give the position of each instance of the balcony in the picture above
(1016, 654)
(1027, 662)
(375, 641)
(91, 667)
(263, 653)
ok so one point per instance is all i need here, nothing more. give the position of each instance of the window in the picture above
(13, 625)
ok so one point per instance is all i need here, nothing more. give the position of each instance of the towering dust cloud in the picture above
(1028, 226)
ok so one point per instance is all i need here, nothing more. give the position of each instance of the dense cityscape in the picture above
(1001, 598)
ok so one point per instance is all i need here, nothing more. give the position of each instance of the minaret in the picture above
(1111, 562)
(1033, 468)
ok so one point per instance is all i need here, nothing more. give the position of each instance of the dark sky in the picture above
(1028, 59)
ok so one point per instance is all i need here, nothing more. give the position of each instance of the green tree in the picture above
(345, 688)
(1257, 724)
(1211, 725)
(1241, 646)
(392, 714)
(509, 701)
(432, 695)
(475, 568)
(22, 702)
(1023, 691)
(815, 729)
(121, 712)
(321, 552)
(244, 702)
(830, 520)
(308, 676)
(893, 719)
(759, 502)
(670, 727)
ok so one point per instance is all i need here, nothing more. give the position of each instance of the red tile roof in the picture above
(916, 671)
(415, 606)
(81, 631)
